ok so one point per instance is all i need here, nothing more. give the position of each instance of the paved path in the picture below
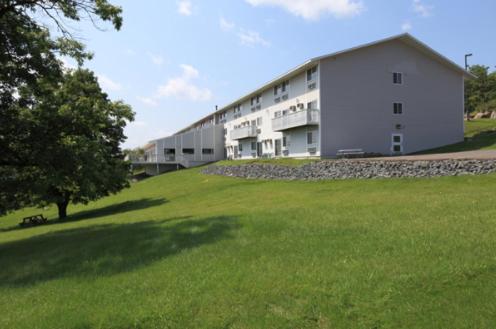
(472, 155)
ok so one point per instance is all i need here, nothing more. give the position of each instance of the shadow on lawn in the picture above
(478, 141)
(106, 249)
(113, 209)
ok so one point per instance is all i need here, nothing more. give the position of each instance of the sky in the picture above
(174, 61)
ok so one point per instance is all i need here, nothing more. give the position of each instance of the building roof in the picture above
(404, 37)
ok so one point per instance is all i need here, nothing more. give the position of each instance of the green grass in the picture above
(479, 135)
(185, 250)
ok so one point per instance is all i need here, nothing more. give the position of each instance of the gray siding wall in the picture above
(357, 96)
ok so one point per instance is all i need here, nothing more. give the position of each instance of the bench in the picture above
(350, 153)
(33, 220)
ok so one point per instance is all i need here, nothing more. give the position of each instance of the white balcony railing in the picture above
(296, 119)
(244, 132)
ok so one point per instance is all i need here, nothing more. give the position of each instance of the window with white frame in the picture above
(312, 73)
(397, 108)
(397, 78)
(259, 121)
(397, 143)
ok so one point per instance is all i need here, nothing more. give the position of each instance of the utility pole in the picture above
(467, 110)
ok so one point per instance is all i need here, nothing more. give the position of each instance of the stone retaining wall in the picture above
(347, 169)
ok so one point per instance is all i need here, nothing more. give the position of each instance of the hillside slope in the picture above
(185, 250)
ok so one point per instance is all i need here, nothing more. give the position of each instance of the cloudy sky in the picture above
(173, 61)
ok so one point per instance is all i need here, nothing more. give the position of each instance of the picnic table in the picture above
(33, 220)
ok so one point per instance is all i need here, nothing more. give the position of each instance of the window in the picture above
(397, 143)
(397, 78)
(207, 151)
(240, 147)
(310, 139)
(284, 141)
(312, 105)
(253, 122)
(188, 151)
(397, 108)
(253, 146)
(277, 114)
(284, 86)
(259, 121)
(397, 148)
(396, 138)
(311, 73)
(225, 131)
(276, 90)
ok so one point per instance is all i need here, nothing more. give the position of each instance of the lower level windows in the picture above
(207, 151)
(188, 151)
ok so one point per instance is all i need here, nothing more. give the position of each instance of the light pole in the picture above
(466, 60)
(466, 69)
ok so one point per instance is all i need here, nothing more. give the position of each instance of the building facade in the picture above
(393, 96)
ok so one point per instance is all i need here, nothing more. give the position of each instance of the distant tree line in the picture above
(60, 134)
(480, 92)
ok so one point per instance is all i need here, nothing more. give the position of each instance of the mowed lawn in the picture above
(185, 250)
(479, 135)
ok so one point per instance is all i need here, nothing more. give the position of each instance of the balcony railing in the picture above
(296, 119)
(244, 132)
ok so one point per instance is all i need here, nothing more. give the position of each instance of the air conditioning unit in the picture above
(259, 131)
(312, 150)
(259, 107)
(292, 108)
(399, 126)
(277, 100)
(312, 86)
(285, 153)
(301, 106)
(284, 97)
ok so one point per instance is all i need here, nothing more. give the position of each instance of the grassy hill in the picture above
(185, 250)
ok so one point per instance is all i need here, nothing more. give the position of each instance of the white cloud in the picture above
(406, 26)
(313, 9)
(422, 9)
(184, 7)
(148, 101)
(226, 25)
(183, 87)
(251, 38)
(108, 84)
(156, 59)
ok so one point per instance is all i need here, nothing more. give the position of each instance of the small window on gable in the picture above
(397, 78)
(398, 108)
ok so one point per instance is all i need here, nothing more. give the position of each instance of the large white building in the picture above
(392, 96)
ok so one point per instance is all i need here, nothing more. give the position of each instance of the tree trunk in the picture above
(62, 206)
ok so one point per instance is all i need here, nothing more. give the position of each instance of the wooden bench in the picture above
(33, 220)
(350, 153)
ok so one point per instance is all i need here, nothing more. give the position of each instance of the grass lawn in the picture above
(184, 250)
(479, 135)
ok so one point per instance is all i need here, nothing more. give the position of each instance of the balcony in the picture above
(296, 119)
(244, 132)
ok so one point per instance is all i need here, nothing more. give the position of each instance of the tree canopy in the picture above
(53, 122)
(480, 93)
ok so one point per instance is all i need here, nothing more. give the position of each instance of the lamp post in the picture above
(466, 69)
(466, 60)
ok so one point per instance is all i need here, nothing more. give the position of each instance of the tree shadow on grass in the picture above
(106, 249)
(478, 141)
(112, 209)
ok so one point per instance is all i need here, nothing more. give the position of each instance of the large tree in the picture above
(480, 92)
(83, 131)
(30, 69)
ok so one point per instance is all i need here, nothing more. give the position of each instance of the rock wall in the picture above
(357, 169)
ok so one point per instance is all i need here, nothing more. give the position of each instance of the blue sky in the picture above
(173, 61)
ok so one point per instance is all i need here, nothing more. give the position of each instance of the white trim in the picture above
(400, 143)
(402, 108)
(402, 75)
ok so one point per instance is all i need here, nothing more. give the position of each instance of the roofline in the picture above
(315, 60)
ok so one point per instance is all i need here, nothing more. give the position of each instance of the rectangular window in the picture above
(253, 146)
(310, 137)
(240, 147)
(259, 121)
(397, 108)
(397, 78)
(188, 151)
(397, 148)
(253, 122)
(259, 98)
(285, 86)
(285, 141)
(311, 73)
(276, 90)
(207, 151)
(277, 114)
